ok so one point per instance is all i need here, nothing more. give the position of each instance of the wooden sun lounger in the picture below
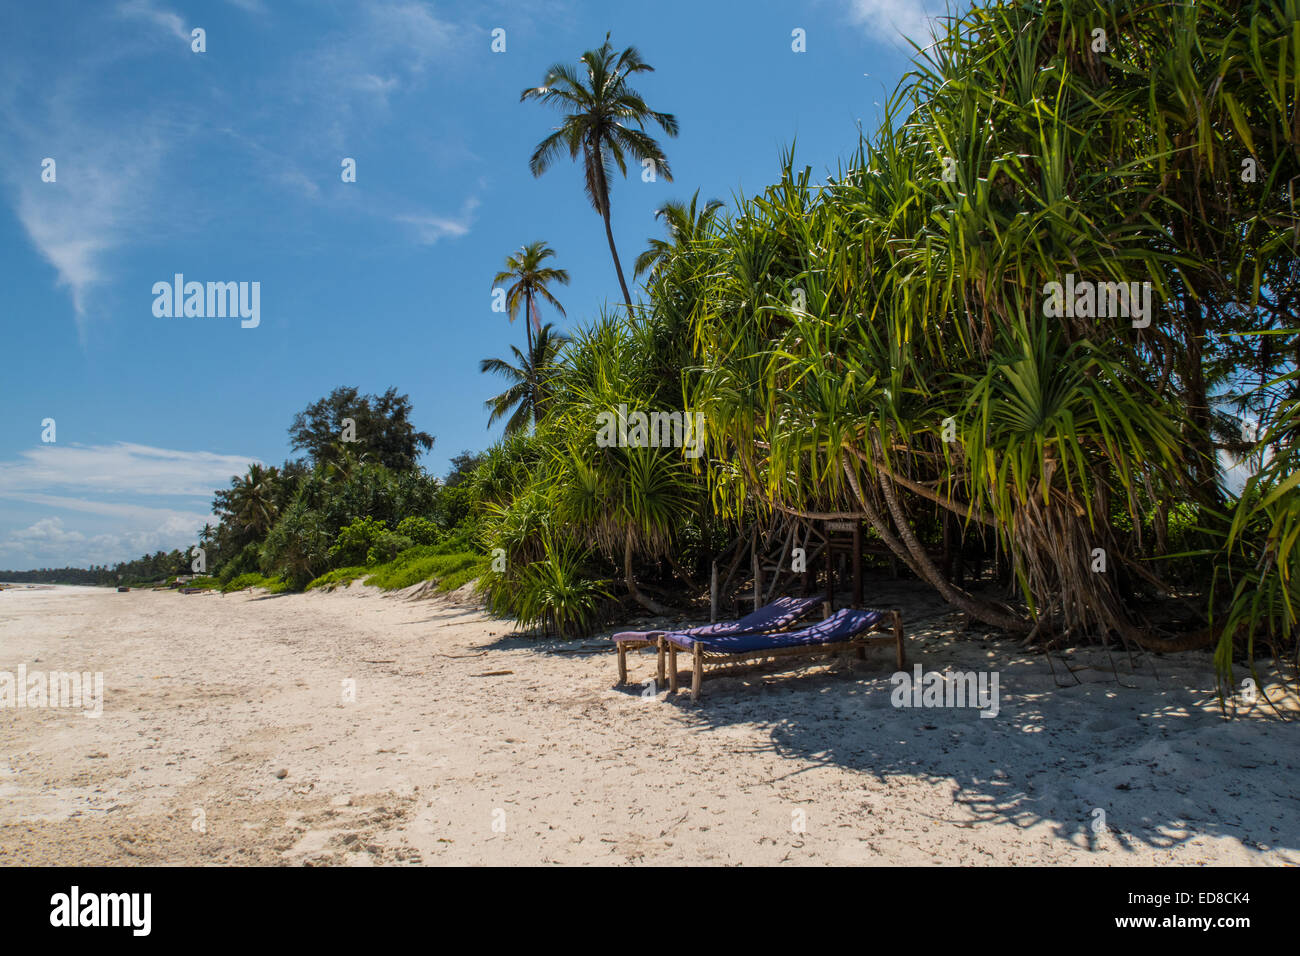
(779, 614)
(858, 642)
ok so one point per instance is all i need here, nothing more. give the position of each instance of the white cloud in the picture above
(47, 530)
(46, 543)
(74, 221)
(107, 487)
(121, 468)
(910, 17)
(104, 175)
(109, 509)
(385, 48)
(429, 229)
(163, 19)
(117, 169)
(276, 166)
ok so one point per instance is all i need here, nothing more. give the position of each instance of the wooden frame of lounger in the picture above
(857, 642)
(636, 644)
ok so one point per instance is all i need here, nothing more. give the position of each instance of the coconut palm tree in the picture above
(604, 122)
(251, 499)
(528, 279)
(527, 393)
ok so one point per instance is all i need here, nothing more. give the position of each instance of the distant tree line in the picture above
(358, 495)
(150, 567)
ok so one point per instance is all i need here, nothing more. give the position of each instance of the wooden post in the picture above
(672, 666)
(946, 565)
(857, 563)
(830, 572)
(622, 663)
(713, 593)
(807, 572)
(898, 640)
(661, 642)
(758, 576)
(697, 671)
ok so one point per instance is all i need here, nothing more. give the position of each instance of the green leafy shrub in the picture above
(244, 562)
(254, 580)
(554, 594)
(387, 546)
(339, 576)
(354, 541)
(420, 530)
(415, 565)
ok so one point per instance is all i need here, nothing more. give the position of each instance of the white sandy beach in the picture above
(467, 745)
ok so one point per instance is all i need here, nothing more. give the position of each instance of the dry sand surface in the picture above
(468, 745)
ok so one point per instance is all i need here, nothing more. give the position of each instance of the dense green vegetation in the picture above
(357, 499)
(894, 344)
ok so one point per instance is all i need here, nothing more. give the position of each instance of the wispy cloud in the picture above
(109, 509)
(115, 492)
(429, 229)
(274, 165)
(106, 169)
(89, 210)
(116, 144)
(47, 543)
(120, 469)
(164, 19)
(386, 48)
(912, 18)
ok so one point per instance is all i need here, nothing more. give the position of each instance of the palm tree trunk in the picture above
(609, 230)
(618, 266)
(529, 368)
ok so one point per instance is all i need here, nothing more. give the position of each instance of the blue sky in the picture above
(225, 166)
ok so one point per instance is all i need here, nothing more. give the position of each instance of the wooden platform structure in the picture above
(768, 557)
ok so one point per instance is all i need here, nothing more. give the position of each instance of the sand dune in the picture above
(226, 738)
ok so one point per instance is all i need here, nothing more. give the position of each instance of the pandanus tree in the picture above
(626, 501)
(339, 460)
(895, 345)
(886, 347)
(604, 124)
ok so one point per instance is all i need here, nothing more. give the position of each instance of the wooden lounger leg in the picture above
(622, 663)
(697, 671)
(898, 640)
(661, 643)
(672, 666)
